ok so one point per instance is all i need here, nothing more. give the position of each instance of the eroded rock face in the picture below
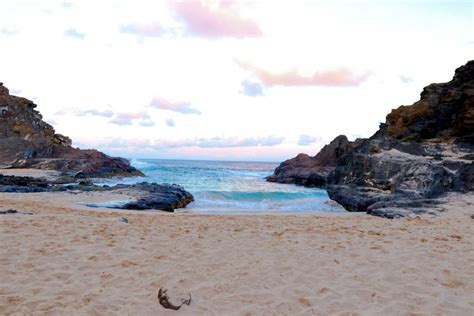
(26, 141)
(312, 171)
(444, 111)
(421, 152)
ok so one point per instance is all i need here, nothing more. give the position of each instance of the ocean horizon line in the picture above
(206, 160)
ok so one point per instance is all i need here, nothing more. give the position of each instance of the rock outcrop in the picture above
(312, 171)
(165, 197)
(146, 196)
(421, 152)
(26, 141)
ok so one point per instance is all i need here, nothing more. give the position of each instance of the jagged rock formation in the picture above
(165, 197)
(26, 141)
(421, 152)
(312, 171)
(146, 196)
(445, 111)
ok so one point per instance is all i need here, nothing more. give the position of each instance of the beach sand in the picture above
(67, 258)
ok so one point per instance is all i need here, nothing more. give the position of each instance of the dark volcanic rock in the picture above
(26, 141)
(312, 171)
(22, 184)
(445, 110)
(7, 212)
(166, 197)
(421, 152)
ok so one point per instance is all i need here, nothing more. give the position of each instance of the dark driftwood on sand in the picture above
(163, 298)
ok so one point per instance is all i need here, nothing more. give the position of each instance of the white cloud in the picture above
(306, 140)
(123, 119)
(175, 106)
(105, 113)
(251, 89)
(170, 122)
(73, 33)
(198, 73)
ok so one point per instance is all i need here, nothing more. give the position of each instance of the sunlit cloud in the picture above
(105, 113)
(87, 112)
(172, 105)
(220, 142)
(9, 31)
(123, 119)
(147, 123)
(405, 79)
(73, 33)
(67, 5)
(306, 140)
(251, 89)
(342, 77)
(15, 92)
(169, 122)
(51, 122)
(154, 29)
(214, 19)
(213, 142)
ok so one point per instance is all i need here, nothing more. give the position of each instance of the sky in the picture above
(226, 80)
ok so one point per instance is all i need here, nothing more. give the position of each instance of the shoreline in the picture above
(107, 200)
(67, 258)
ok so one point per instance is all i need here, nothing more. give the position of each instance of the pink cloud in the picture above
(153, 29)
(123, 119)
(175, 106)
(341, 77)
(220, 20)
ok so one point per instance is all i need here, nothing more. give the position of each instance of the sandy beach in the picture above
(67, 258)
(234, 157)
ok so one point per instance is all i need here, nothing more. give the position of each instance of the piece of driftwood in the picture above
(163, 298)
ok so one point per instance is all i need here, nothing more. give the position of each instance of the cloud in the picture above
(9, 31)
(170, 122)
(91, 112)
(220, 142)
(252, 148)
(251, 89)
(341, 77)
(405, 79)
(147, 123)
(306, 140)
(214, 20)
(123, 119)
(175, 106)
(67, 5)
(51, 122)
(73, 33)
(105, 113)
(151, 30)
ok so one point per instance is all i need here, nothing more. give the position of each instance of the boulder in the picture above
(165, 197)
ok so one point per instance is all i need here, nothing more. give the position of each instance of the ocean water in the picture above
(235, 187)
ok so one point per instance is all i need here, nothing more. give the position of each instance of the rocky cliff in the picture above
(26, 141)
(312, 171)
(421, 152)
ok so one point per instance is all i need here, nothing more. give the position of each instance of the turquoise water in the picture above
(223, 186)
